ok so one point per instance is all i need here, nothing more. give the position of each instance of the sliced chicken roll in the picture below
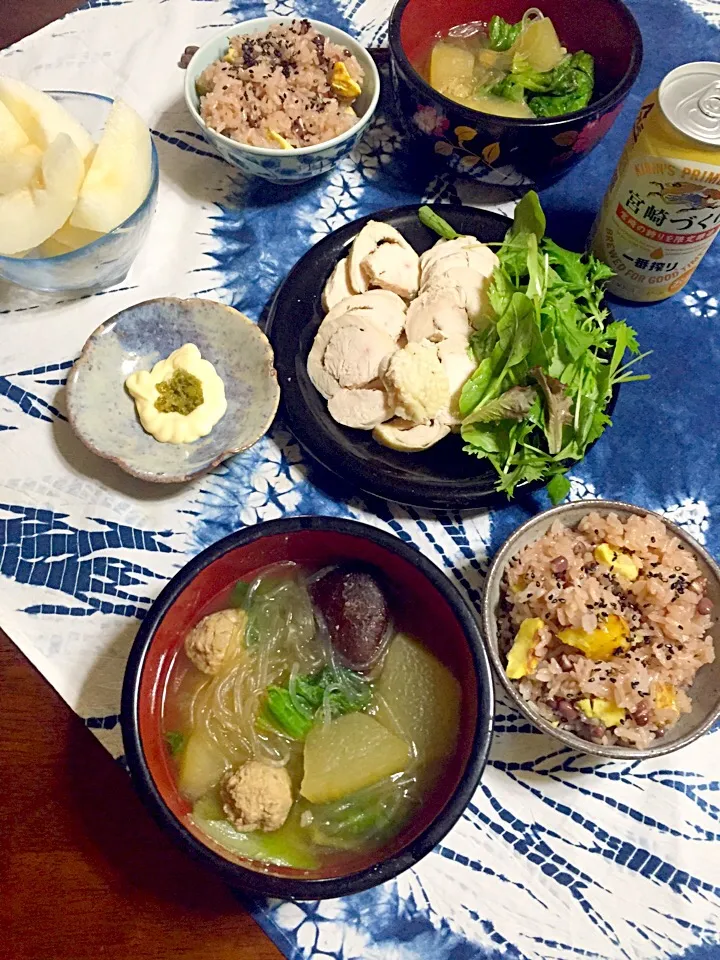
(458, 364)
(337, 287)
(393, 267)
(464, 263)
(381, 307)
(362, 409)
(438, 314)
(410, 437)
(348, 351)
(465, 251)
(396, 269)
(416, 382)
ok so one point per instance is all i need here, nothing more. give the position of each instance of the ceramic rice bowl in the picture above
(284, 166)
(705, 690)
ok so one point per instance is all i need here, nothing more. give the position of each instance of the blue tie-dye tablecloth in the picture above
(558, 856)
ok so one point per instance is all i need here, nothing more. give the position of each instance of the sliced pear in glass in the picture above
(41, 117)
(67, 239)
(31, 215)
(119, 176)
(12, 135)
(19, 168)
(75, 237)
(51, 248)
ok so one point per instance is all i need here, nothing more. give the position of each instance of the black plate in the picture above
(443, 477)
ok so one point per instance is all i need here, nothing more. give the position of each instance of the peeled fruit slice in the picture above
(119, 176)
(67, 239)
(12, 135)
(74, 237)
(347, 754)
(419, 699)
(51, 248)
(31, 215)
(41, 117)
(18, 169)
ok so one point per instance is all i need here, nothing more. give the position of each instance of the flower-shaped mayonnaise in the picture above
(181, 398)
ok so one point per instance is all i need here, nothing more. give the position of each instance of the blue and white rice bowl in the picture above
(278, 165)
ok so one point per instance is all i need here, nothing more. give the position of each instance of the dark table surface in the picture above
(84, 872)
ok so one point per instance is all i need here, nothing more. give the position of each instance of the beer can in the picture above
(662, 209)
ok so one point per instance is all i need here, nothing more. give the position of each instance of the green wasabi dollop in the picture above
(181, 393)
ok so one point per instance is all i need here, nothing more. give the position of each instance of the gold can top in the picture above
(689, 98)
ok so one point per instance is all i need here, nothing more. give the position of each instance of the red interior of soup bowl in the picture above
(603, 28)
(437, 615)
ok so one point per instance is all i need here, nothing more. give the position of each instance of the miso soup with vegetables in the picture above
(511, 69)
(306, 725)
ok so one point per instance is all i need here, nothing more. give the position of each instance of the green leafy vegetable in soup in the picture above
(175, 741)
(334, 691)
(182, 393)
(368, 816)
(512, 69)
(501, 34)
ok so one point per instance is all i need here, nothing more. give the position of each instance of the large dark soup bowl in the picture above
(467, 141)
(444, 622)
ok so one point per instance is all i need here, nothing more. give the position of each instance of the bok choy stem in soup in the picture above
(290, 755)
(513, 70)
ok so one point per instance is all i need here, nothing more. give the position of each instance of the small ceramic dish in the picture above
(102, 413)
(284, 166)
(705, 691)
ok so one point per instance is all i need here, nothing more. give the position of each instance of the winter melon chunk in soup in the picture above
(306, 724)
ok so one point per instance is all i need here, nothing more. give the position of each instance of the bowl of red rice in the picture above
(282, 98)
(601, 619)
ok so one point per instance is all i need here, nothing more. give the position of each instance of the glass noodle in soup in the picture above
(306, 725)
(511, 70)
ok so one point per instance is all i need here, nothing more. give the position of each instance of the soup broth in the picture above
(306, 719)
(510, 70)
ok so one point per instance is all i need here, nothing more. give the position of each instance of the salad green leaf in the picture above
(557, 404)
(529, 217)
(514, 404)
(547, 361)
(558, 488)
